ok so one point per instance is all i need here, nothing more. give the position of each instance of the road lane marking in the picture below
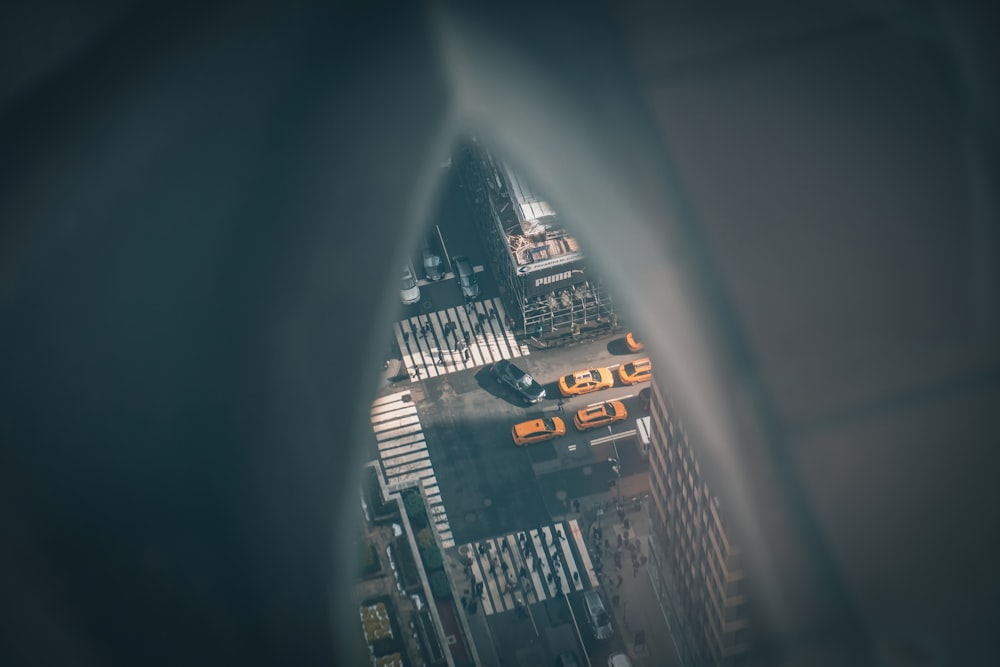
(613, 436)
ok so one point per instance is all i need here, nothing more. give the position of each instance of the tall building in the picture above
(695, 563)
(541, 271)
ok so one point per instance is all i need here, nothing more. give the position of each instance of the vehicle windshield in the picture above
(525, 382)
(549, 424)
(602, 619)
(570, 380)
(409, 282)
(465, 280)
(629, 368)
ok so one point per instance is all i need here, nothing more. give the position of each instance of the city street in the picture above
(489, 485)
(510, 518)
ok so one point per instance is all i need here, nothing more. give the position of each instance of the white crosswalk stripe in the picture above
(403, 455)
(430, 348)
(546, 562)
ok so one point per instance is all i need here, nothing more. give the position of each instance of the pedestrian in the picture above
(463, 602)
(503, 567)
(559, 533)
(413, 328)
(441, 358)
(406, 336)
(465, 334)
(468, 355)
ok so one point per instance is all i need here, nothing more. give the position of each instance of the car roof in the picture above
(532, 424)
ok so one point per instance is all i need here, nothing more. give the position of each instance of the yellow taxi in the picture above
(537, 430)
(633, 342)
(606, 413)
(636, 371)
(584, 382)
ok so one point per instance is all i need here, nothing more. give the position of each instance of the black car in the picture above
(466, 274)
(512, 376)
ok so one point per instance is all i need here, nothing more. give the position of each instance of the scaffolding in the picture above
(537, 264)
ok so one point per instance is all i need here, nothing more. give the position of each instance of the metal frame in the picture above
(565, 310)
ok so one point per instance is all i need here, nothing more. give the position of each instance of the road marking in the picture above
(571, 448)
(505, 589)
(613, 436)
(581, 548)
(397, 411)
(394, 398)
(404, 458)
(387, 443)
(478, 578)
(569, 563)
(425, 353)
(396, 424)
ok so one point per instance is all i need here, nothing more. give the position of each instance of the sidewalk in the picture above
(476, 627)
(637, 613)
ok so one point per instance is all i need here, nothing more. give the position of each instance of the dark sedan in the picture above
(527, 388)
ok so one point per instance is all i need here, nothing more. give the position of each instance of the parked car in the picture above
(633, 342)
(597, 615)
(538, 430)
(410, 292)
(584, 382)
(466, 275)
(604, 414)
(634, 372)
(433, 267)
(619, 660)
(526, 387)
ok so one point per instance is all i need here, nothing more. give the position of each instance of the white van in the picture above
(619, 660)
(597, 615)
(410, 292)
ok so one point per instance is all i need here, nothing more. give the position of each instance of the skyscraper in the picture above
(696, 563)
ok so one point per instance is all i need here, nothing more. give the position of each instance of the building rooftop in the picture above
(539, 237)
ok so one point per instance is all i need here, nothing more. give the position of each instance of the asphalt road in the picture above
(490, 486)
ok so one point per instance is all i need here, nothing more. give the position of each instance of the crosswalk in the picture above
(404, 457)
(530, 566)
(455, 339)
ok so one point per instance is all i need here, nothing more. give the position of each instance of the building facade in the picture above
(695, 562)
(542, 273)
